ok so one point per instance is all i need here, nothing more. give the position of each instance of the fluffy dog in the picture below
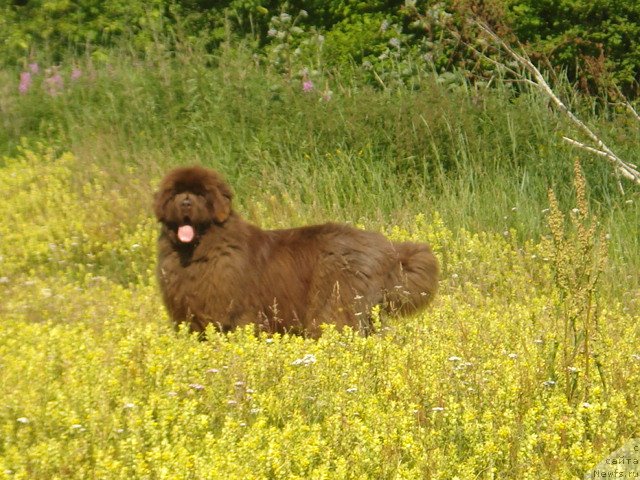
(215, 268)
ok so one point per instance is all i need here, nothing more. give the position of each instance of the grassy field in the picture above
(527, 367)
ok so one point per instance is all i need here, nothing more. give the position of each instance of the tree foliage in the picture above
(596, 42)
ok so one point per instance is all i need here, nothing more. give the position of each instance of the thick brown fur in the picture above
(233, 273)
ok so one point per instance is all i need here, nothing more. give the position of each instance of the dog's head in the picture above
(189, 201)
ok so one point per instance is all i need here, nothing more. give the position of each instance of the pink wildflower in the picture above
(34, 67)
(76, 73)
(25, 82)
(307, 85)
(54, 83)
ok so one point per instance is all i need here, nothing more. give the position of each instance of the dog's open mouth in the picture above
(186, 233)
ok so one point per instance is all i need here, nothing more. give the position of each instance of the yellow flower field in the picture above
(510, 375)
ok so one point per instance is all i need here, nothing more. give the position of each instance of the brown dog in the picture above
(215, 268)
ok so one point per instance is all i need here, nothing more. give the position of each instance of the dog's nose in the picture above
(186, 203)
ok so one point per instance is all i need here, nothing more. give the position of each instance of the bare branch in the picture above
(632, 110)
(626, 169)
(626, 103)
(501, 65)
(575, 143)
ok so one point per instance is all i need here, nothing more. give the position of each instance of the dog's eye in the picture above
(197, 193)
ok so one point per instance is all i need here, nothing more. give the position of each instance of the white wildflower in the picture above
(308, 359)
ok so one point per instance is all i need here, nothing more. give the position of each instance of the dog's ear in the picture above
(160, 199)
(220, 196)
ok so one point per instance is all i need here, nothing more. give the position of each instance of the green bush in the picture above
(50, 28)
(595, 43)
(589, 39)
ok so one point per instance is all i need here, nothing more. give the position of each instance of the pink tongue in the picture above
(186, 233)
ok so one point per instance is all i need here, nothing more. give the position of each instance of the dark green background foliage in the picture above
(596, 42)
(28, 27)
(589, 38)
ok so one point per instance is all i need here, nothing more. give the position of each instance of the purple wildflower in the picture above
(25, 82)
(54, 83)
(307, 85)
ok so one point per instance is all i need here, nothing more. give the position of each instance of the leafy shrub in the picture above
(595, 42)
(32, 26)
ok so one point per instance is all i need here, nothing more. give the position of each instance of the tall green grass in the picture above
(483, 158)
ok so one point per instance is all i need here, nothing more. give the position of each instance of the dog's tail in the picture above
(418, 282)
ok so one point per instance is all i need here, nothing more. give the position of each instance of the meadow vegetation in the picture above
(528, 365)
